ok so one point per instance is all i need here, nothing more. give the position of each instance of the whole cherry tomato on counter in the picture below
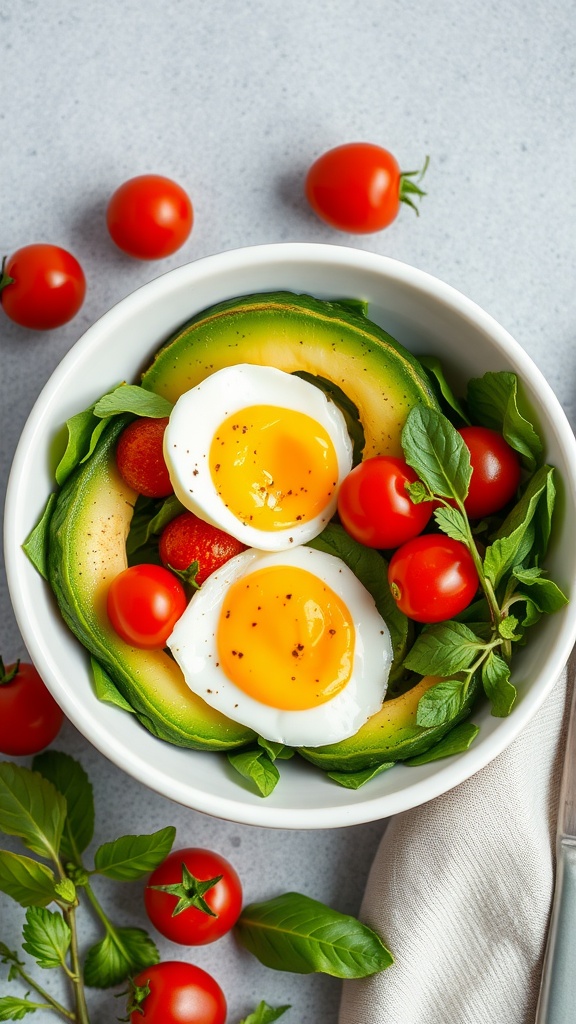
(374, 505)
(432, 578)
(175, 992)
(140, 457)
(495, 471)
(144, 603)
(358, 187)
(149, 216)
(193, 897)
(187, 539)
(30, 718)
(41, 286)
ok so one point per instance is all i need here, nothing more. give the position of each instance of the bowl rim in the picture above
(457, 769)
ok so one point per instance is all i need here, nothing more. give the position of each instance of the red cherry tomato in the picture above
(432, 578)
(374, 506)
(42, 286)
(358, 187)
(30, 718)
(495, 471)
(140, 457)
(205, 914)
(144, 603)
(175, 992)
(187, 539)
(149, 217)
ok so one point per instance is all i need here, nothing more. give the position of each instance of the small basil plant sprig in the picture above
(515, 590)
(50, 808)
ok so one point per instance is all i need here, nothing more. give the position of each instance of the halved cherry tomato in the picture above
(495, 471)
(41, 286)
(176, 992)
(187, 539)
(144, 603)
(30, 718)
(193, 897)
(374, 505)
(432, 578)
(358, 187)
(140, 457)
(149, 216)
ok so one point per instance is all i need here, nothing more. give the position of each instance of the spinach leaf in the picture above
(354, 780)
(36, 544)
(435, 372)
(257, 767)
(133, 399)
(454, 742)
(493, 402)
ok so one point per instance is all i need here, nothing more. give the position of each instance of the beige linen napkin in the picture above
(461, 887)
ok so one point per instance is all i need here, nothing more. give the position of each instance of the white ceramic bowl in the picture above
(422, 313)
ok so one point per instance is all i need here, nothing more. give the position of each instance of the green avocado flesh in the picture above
(390, 735)
(87, 549)
(297, 333)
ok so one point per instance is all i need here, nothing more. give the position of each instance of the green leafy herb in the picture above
(295, 933)
(36, 544)
(132, 857)
(27, 881)
(130, 398)
(437, 453)
(276, 750)
(256, 766)
(123, 952)
(444, 648)
(441, 703)
(70, 779)
(497, 685)
(435, 372)
(454, 742)
(106, 689)
(13, 1008)
(354, 780)
(32, 809)
(493, 402)
(47, 937)
(264, 1014)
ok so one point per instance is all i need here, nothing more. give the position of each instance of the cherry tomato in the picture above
(184, 909)
(358, 187)
(374, 506)
(432, 578)
(495, 471)
(149, 217)
(187, 539)
(144, 603)
(41, 286)
(140, 457)
(175, 992)
(30, 718)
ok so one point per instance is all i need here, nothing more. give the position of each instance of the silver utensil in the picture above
(557, 1002)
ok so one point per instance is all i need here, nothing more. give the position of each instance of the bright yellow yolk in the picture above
(273, 467)
(285, 638)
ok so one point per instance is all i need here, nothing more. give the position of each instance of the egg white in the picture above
(195, 420)
(194, 647)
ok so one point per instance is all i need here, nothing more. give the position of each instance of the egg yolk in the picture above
(273, 467)
(286, 638)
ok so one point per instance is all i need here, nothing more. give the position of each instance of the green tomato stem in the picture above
(5, 279)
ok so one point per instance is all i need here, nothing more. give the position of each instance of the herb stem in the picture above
(81, 1016)
(49, 1000)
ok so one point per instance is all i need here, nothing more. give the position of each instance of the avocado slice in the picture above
(86, 550)
(390, 735)
(300, 334)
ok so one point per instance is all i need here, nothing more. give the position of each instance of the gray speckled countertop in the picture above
(235, 101)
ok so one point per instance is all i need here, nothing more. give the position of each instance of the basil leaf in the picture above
(133, 399)
(70, 779)
(346, 407)
(25, 880)
(441, 703)
(434, 448)
(452, 522)
(32, 809)
(507, 628)
(256, 766)
(497, 686)
(516, 537)
(435, 373)
(295, 933)
(442, 649)
(131, 857)
(493, 402)
(35, 547)
(264, 1014)
(13, 1008)
(80, 428)
(123, 952)
(354, 780)
(105, 688)
(371, 569)
(545, 595)
(47, 937)
(454, 742)
(275, 750)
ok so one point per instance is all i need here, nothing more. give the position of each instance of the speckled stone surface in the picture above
(235, 101)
